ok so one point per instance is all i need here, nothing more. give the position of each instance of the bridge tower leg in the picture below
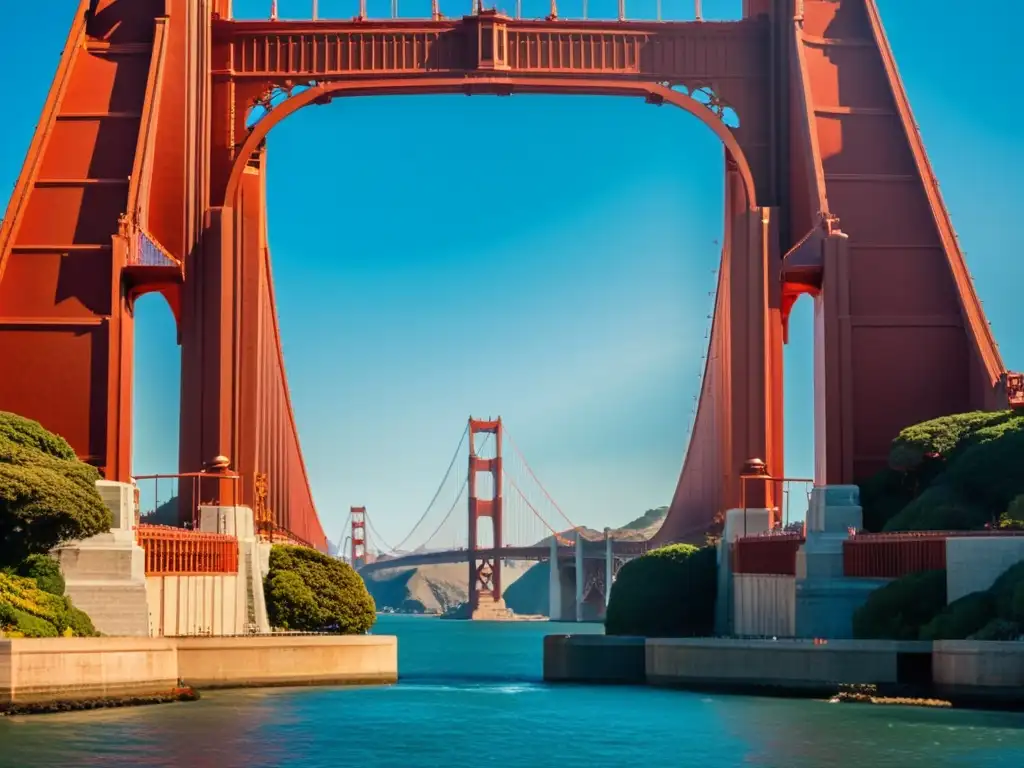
(608, 569)
(358, 537)
(485, 572)
(581, 576)
(554, 583)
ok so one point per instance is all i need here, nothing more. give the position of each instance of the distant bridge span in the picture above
(592, 550)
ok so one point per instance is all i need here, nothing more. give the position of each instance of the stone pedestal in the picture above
(106, 574)
(825, 598)
(489, 609)
(253, 558)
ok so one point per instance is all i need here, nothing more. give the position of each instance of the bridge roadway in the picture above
(592, 549)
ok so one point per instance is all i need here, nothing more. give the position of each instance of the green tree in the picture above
(47, 496)
(307, 590)
(668, 592)
(899, 610)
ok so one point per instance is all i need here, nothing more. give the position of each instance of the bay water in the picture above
(471, 694)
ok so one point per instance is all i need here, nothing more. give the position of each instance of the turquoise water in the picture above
(471, 694)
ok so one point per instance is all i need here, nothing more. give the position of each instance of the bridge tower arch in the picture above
(485, 572)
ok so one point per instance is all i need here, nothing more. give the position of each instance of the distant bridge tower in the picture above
(485, 573)
(358, 537)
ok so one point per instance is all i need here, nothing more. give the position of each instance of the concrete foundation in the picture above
(105, 574)
(968, 673)
(66, 669)
(784, 665)
(974, 672)
(594, 659)
(825, 598)
(237, 662)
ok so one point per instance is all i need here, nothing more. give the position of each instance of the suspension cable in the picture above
(436, 493)
(451, 509)
(544, 490)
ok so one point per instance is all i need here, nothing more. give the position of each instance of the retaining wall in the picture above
(65, 669)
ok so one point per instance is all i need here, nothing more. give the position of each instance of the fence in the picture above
(892, 555)
(177, 552)
(767, 554)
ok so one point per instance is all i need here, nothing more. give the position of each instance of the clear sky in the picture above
(546, 259)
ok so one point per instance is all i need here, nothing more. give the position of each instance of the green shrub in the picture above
(312, 592)
(24, 606)
(898, 610)
(883, 496)
(961, 618)
(46, 572)
(669, 592)
(47, 496)
(940, 508)
(999, 629)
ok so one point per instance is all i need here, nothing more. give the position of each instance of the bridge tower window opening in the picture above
(155, 426)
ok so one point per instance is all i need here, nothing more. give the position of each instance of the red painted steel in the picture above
(773, 554)
(484, 570)
(146, 174)
(176, 552)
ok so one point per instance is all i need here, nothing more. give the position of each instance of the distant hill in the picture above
(437, 588)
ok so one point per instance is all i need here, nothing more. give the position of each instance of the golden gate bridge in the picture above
(504, 514)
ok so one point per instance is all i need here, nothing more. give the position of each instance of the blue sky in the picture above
(548, 259)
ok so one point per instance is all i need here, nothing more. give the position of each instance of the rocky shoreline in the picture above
(53, 707)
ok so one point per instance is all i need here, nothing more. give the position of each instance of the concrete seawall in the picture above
(594, 659)
(787, 666)
(70, 669)
(967, 673)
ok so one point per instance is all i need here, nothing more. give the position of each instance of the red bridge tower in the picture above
(485, 572)
(358, 536)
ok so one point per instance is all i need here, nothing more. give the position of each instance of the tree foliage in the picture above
(899, 610)
(669, 592)
(961, 618)
(957, 472)
(47, 496)
(311, 592)
(45, 570)
(28, 611)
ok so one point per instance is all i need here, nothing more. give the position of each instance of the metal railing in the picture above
(179, 552)
(892, 555)
(574, 10)
(197, 489)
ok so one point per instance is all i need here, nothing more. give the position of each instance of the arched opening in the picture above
(798, 366)
(484, 222)
(156, 406)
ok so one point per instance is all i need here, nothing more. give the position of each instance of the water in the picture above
(471, 695)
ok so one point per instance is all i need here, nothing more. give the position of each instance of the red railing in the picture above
(891, 555)
(768, 554)
(178, 552)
